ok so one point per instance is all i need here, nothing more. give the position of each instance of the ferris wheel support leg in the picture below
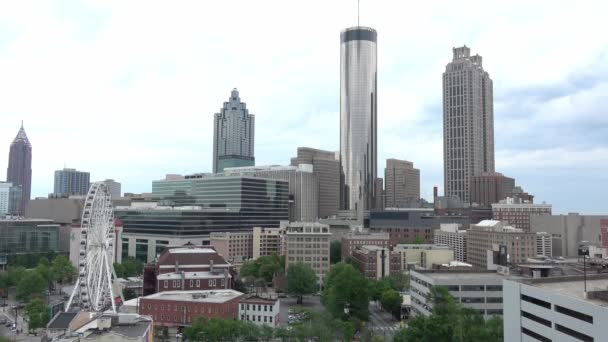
(67, 307)
(107, 263)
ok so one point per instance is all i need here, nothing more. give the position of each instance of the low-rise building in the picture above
(451, 235)
(106, 327)
(488, 236)
(235, 247)
(180, 308)
(354, 240)
(478, 290)
(268, 241)
(188, 259)
(260, 311)
(556, 309)
(376, 262)
(308, 242)
(518, 213)
(413, 256)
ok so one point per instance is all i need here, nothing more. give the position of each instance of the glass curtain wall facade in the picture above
(358, 119)
(202, 204)
(28, 236)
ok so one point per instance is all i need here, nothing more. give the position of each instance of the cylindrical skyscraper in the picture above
(358, 118)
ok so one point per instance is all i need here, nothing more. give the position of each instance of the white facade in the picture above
(267, 241)
(544, 244)
(552, 310)
(481, 291)
(153, 245)
(5, 190)
(451, 235)
(260, 311)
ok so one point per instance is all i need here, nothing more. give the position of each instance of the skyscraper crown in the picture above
(21, 137)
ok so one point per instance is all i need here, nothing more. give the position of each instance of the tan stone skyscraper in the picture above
(402, 183)
(468, 122)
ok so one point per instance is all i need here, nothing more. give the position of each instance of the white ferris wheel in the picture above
(95, 264)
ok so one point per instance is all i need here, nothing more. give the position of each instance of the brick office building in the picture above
(186, 259)
(189, 281)
(180, 308)
(353, 240)
(376, 262)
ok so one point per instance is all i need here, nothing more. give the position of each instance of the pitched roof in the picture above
(190, 255)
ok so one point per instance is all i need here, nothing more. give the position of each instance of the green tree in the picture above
(4, 339)
(129, 294)
(32, 284)
(132, 267)
(399, 281)
(44, 269)
(119, 269)
(62, 269)
(335, 252)
(301, 280)
(391, 301)
(419, 240)
(38, 314)
(378, 287)
(345, 287)
(265, 333)
(283, 333)
(449, 321)
(265, 267)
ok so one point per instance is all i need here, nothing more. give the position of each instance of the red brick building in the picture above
(180, 308)
(376, 262)
(190, 281)
(187, 259)
(353, 240)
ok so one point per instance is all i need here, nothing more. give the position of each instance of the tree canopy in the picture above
(31, 285)
(130, 267)
(391, 301)
(345, 287)
(450, 321)
(38, 314)
(63, 269)
(301, 280)
(264, 267)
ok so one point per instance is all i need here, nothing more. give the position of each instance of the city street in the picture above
(381, 322)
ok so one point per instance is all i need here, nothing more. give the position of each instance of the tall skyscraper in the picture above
(327, 168)
(233, 135)
(358, 119)
(71, 182)
(402, 183)
(468, 122)
(19, 171)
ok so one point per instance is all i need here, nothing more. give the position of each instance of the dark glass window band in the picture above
(360, 34)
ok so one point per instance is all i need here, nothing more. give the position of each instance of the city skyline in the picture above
(158, 93)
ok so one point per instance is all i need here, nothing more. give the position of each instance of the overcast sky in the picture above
(127, 89)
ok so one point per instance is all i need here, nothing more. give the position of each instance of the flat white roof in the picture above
(214, 296)
(191, 250)
(575, 289)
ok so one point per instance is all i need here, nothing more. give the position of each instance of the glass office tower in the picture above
(358, 118)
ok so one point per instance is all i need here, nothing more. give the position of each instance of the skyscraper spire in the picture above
(19, 170)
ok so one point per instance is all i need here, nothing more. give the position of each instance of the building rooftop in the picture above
(573, 287)
(426, 246)
(193, 275)
(460, 275)
(215, 296)
(259, 300)
(62, 320)
(191, 250)
(137, 329)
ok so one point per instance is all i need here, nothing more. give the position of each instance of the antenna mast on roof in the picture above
(358, 12)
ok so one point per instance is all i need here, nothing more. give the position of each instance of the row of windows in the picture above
(267, 319)
(178, 283)
(253, 307)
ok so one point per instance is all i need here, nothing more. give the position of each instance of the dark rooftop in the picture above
(61, 320)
